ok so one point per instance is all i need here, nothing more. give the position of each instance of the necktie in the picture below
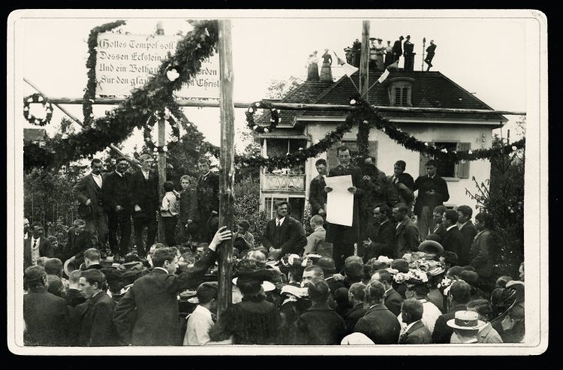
(35, 244)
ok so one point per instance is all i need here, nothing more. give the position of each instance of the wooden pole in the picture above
(161, 173)
(423, 51)
(227, 160)
(298, 106)
(364, 60)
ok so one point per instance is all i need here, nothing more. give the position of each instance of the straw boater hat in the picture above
(466, 320)
(431, 247)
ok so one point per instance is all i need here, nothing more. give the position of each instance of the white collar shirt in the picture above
(197, 329)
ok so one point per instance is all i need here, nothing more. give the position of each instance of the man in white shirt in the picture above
(203, 317)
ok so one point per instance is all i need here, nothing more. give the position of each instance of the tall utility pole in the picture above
(364, 61)
(161, 165)
(227, 162)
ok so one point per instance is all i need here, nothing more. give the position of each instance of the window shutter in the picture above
(463, 167)
(422, 167)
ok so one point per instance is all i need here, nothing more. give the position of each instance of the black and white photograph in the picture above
(295, 182)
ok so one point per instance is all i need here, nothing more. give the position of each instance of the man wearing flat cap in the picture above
(45, 315)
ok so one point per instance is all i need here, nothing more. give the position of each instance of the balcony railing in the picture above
(286, 183)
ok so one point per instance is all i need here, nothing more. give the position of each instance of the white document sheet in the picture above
(340, 202)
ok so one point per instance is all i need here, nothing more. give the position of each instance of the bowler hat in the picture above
(327, 264)
(34, 273)
(466, 320)
(431, 247)
(85, 211)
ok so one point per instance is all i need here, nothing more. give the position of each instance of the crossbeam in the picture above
(297, 106)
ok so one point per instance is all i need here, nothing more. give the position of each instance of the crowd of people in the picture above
(382, 56)
(408, 271)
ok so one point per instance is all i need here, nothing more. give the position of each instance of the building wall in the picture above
(389, 151)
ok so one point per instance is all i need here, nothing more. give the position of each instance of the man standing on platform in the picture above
(409, 54)
(88, 191)
(343, 237)
(118, 188)
(145, 203)
(208, 199)
(432, 192)
(317, 194)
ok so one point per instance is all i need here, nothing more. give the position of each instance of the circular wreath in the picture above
(47, 106)
(274, 117)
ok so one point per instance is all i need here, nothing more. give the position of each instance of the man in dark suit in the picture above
(343, 237)
(208, 199)
(482, 253)
(409, 54)
(468, 231)
(284, 234)
(97, 328)
(406, 232)
(317, 194)
(453, 240)
(381, 235)
(46, 316)
(458, 297)
(437, 217)
(430, 52)
(392, 299)
(36, 246)
(117, 191)
(432, 191)
(378, 324)
(147, 315)
(401, 185)
(88, 191)
(417, 332)
(145, 204)
(397, 49)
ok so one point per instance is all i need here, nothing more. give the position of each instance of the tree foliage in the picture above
(503, 198)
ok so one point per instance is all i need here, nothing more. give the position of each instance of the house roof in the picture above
(34, 134)
(429, 90)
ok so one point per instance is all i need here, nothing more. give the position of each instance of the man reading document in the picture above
(342, 230)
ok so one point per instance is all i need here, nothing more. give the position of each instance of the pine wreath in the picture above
(274, 117)
(47, 106)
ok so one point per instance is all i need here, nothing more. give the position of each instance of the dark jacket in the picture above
(320, 325)
(87, 188)
(317, 194)
(382, 241)
(188, 205)
(380, 325)
(46, 318)
(208, 194)
(442, 332)
(406, 238)
(352, 316)
(145, 192)
(417, 334)
(97, 328)
(468, 232)
(482, 254)
(453, 241)
(117, 190)
(289, 236)
(393, 301)
(45, 250)
(154, 297)
(424, 184)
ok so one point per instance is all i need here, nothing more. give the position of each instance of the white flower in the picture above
(266, 130)
(514, 148)
(353, 101)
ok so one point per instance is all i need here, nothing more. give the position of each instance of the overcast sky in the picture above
(484, 52)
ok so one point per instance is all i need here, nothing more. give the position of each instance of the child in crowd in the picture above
(169, 211)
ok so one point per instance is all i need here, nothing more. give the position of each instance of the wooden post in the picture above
(161, 173)
(227, 160)
(423, 50)
(364, 61)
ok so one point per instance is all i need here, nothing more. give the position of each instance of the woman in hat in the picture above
(254, 320)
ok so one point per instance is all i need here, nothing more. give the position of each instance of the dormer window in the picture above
(400, 92)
